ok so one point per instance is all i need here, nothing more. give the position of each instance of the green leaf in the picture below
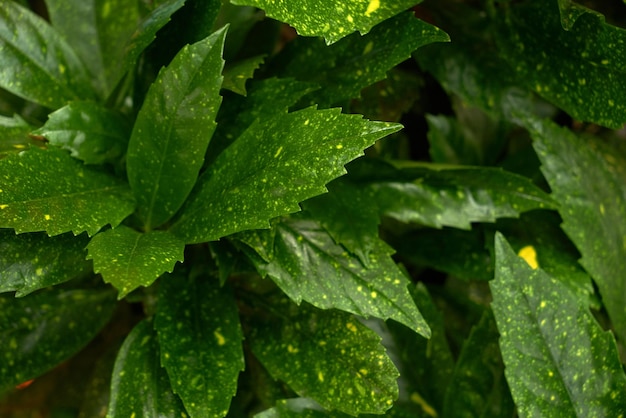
(571, 11)
(588, 180)
(556, 355)
(307, 265)
(271, 167)
(41, 330)
(201, 342)
(477, 386)
(50, 191)
(173, 129)
(14, 135)
(331, 20)
(128, 259)
(452, 196)
(30, 262)
(343, 69)
(37, 64)
(580, 70)
(140, 386)
(328, 356)
(96, 30)
(93, 133)
(236, 75)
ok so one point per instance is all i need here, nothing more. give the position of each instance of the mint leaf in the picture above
(30, 262)
(41, 330)
(330, 20)
(271, 167)
(201, 342)
(236, 75)
(140, 386)
(356, 61)
(328, 356)
(567, 67)
(303, 260)
(95, 29)
(556, 355)
(128, 259)
(92, 132)
(587, 178)
(173, 128)
(37, 64)
(57, 194)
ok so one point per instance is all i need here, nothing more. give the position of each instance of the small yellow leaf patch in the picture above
(529, 255)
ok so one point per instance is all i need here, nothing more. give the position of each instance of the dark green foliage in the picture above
(399, 209)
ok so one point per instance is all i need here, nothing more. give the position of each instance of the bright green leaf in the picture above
(37, 64)
(331, 20)
(140, 387)
(343, 69)
(201, 342)
(14, 135)
(90, 131)
(477, 386)
(29, 262)
(559, 361)
(173, 129)
(56, 193)
(580, 70)
(328, 356)
(128, 259)
(96, 29)
(588, 180)
(41, 330)
(307, 265)
(236, 75)
(271, 167)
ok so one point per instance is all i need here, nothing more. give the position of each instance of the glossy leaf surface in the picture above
(557, 357)
(201, 342)
(303, 260)
(333, 21)
(41, 330)
(328, 356)
(140, 386)
(14, 135)
(91, 132)
(30, 262)
(173, 129)
(128, 259)
(271, 167)
(37, 64)
(588, 180)
(59, 194)
(236, 75)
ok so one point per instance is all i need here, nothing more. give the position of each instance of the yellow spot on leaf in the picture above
(219, 337)
(350, 19)
(292, 349)
(278, 151)
(4, 206)
(339, 146)
(368, 48)
(550, 373)
(133, 415)
(46, 217)
(374, 295)
(39, 271)
(416, 398)
(601, 209)
(351, 326)
(529, 255)
(372, 7)
(320, 376)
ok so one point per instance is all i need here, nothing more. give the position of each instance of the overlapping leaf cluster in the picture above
(192, 158)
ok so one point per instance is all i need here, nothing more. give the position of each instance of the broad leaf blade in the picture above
(173, 129)
(345, 68)
(556, 355)
(588, 180)
(47, 190)
(14, 135)
(140, 386)
(29, 262)
(236, 75)
(580, 70)
(37, 64)
(128, 259)
(331, 20)
(93, 133)
(271, 167)
(96, 29)
(39, 331)
(307, 265)
(201, 342)
(328, 356)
